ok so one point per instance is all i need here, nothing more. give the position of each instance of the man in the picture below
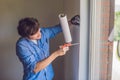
(32, 49)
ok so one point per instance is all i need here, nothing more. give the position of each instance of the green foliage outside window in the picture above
(117, 26)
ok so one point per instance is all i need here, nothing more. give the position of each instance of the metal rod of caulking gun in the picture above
(69, 44)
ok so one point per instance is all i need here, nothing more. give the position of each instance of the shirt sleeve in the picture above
(26, 57)
(51, 32)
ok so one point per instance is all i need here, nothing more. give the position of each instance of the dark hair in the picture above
(28, 26)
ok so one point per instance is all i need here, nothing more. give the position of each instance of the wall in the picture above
(71, 8)
(46, 11)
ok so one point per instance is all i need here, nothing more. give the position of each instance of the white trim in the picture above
(84, 38)
(94, 58)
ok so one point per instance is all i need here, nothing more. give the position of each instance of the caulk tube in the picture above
(65, 28)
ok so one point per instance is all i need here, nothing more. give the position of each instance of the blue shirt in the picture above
(29, 54)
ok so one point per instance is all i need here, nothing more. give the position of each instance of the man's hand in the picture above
(62, 51)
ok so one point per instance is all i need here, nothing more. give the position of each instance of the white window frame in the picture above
(84, 40)
(95, 22)
(89, 58)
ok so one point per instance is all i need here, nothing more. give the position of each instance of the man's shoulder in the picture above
(22, 41)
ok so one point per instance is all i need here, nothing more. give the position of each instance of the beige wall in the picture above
(72, 8)
(46, 11)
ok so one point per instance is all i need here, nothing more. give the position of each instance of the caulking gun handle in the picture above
(66, 45)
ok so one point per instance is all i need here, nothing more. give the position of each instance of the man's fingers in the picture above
(65, 49)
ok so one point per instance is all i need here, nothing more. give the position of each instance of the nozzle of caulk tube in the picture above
(69, 44)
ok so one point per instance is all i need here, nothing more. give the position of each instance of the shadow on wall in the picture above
(72, 58)
(9, 64)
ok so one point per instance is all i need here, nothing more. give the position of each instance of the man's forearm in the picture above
(44, 63)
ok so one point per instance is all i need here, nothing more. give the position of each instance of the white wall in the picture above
(46, 11)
